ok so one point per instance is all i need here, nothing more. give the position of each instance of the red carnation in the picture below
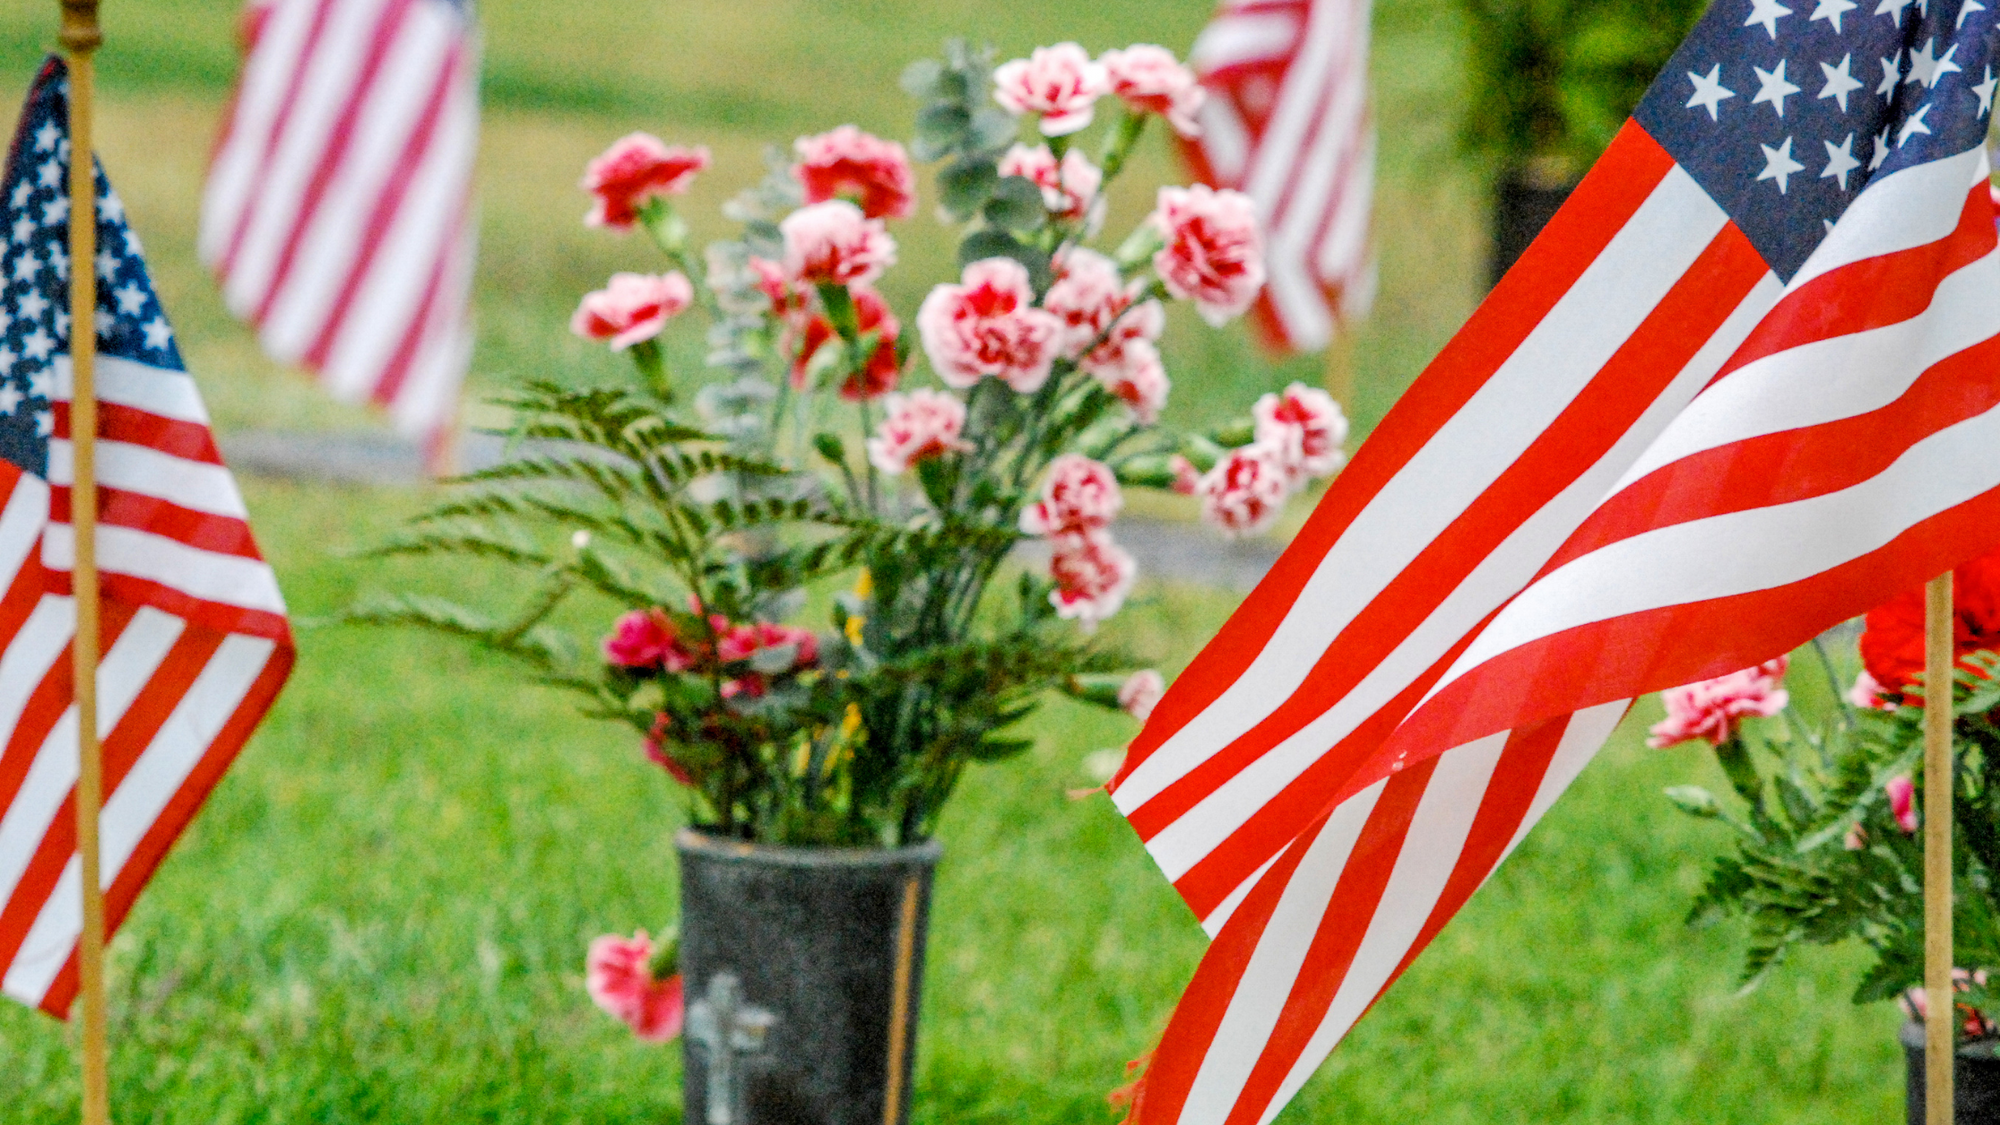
(634, 169)
(850, 164)
(878, 376)
(1892, 641)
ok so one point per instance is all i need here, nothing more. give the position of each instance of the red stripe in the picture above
(1614, 190)
(1873, 292)
(1798, 464)
(223, 535)
(335, 154)
(1345, 922)
(1628, 384)
(300, 63)
(180, 809)
(426, 325)
(220, 616)
(52, 696)
(1636, 653)
(376, 230)
(190, 441)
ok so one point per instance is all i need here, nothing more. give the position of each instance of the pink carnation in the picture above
(1092, 576)
(1069, 188)
(1902, 802)
(646, 638)
(1141, 692)
(1245, 492)
(1060, 83)
(1150, 80)
(1307, 424)
(1187, 478)
(1138, 379)
(850, 164)
(920, 425)
(1078, 495)
(631, 308)
(1092, 302)
(1214, 254)
(634, 169)
(619, 977)
(788, 298)
(1711, 708)
(988, 325)
(833, 243)
(1867, 693)
(746, 642)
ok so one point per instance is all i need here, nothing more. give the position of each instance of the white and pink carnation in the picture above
(865, 169)
(1079, 494)
(1713, 708)
(1141, 692)
(920, 425)
(1069, 186)
(1093, 302)
(635, 169)
(833, 243)
(1187, 478)
(1138, 379)
(1059, 83)
(988, 325)
(631, 308)
(1150, 79)
(1214, 253)
(1092, 576)
(1245, 492)
(1308, 425)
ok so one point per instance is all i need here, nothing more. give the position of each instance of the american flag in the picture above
(1287, 122)
(338, 213)
(195, 640)
(1746, 385)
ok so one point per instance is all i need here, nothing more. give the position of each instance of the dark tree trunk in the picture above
(1523, 203)
(1975, 1078)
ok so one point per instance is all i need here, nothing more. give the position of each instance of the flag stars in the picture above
(1840, 161)
(45, 423)
(7, 360)
(55, 211)
(47, 136)
(1913, 126)
(59, 261)
(38, 344)
(49, 173)
(110, 208)
(27, 266)
(158, 335)
(1769, 12)
(1779, 165)
(1831, 11)
(1927, 69)
(1839, 83)
(42, 385)
(33, 306)
(1894, 9)
(1971, 6)
(107, 264)
(1892, 76)
(62, 323)
(24, 229)
(1882, 148)
(131, 299)
(10, 398)
(132, 243)
(1984, 91)
(1709, 92)
(1773, 88)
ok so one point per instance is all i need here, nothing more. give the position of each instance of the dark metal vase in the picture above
(804, 971)
(1975, 1079)
(1523, 203)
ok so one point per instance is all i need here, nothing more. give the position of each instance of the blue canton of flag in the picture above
(34, 282)
(194, 639)
(1784, 115)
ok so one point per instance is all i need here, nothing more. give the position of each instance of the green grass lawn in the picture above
(381, 916)
(382, 913)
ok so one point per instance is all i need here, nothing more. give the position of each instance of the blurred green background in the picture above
(382, 913)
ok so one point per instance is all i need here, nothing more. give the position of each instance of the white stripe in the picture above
(122, 382)
(1293, 288)
(1219, 917)
(1900, 211)
(1705, 559)
(123, 671)
(1274, 965)
(329, 81)
(155, 779)
(332, 242)
(1235, 38)
(1581, 740)
(1430, 853)
(1498, 577)
(1225, 139)
(21, 523)
(390, 297)
(1298, 102)
(1343, 252)
(265, 75)
(206, 575)
(1507, 414)
(1842, 377)
(141, 469)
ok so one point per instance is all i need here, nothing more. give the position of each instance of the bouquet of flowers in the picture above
(1825, 815)
(806, 546)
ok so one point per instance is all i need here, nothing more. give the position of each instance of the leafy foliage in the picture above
(1820, 857)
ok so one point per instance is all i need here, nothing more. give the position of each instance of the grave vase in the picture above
(803, 970)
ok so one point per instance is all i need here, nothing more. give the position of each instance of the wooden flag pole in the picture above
(1940, 1038)
(80, 38)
